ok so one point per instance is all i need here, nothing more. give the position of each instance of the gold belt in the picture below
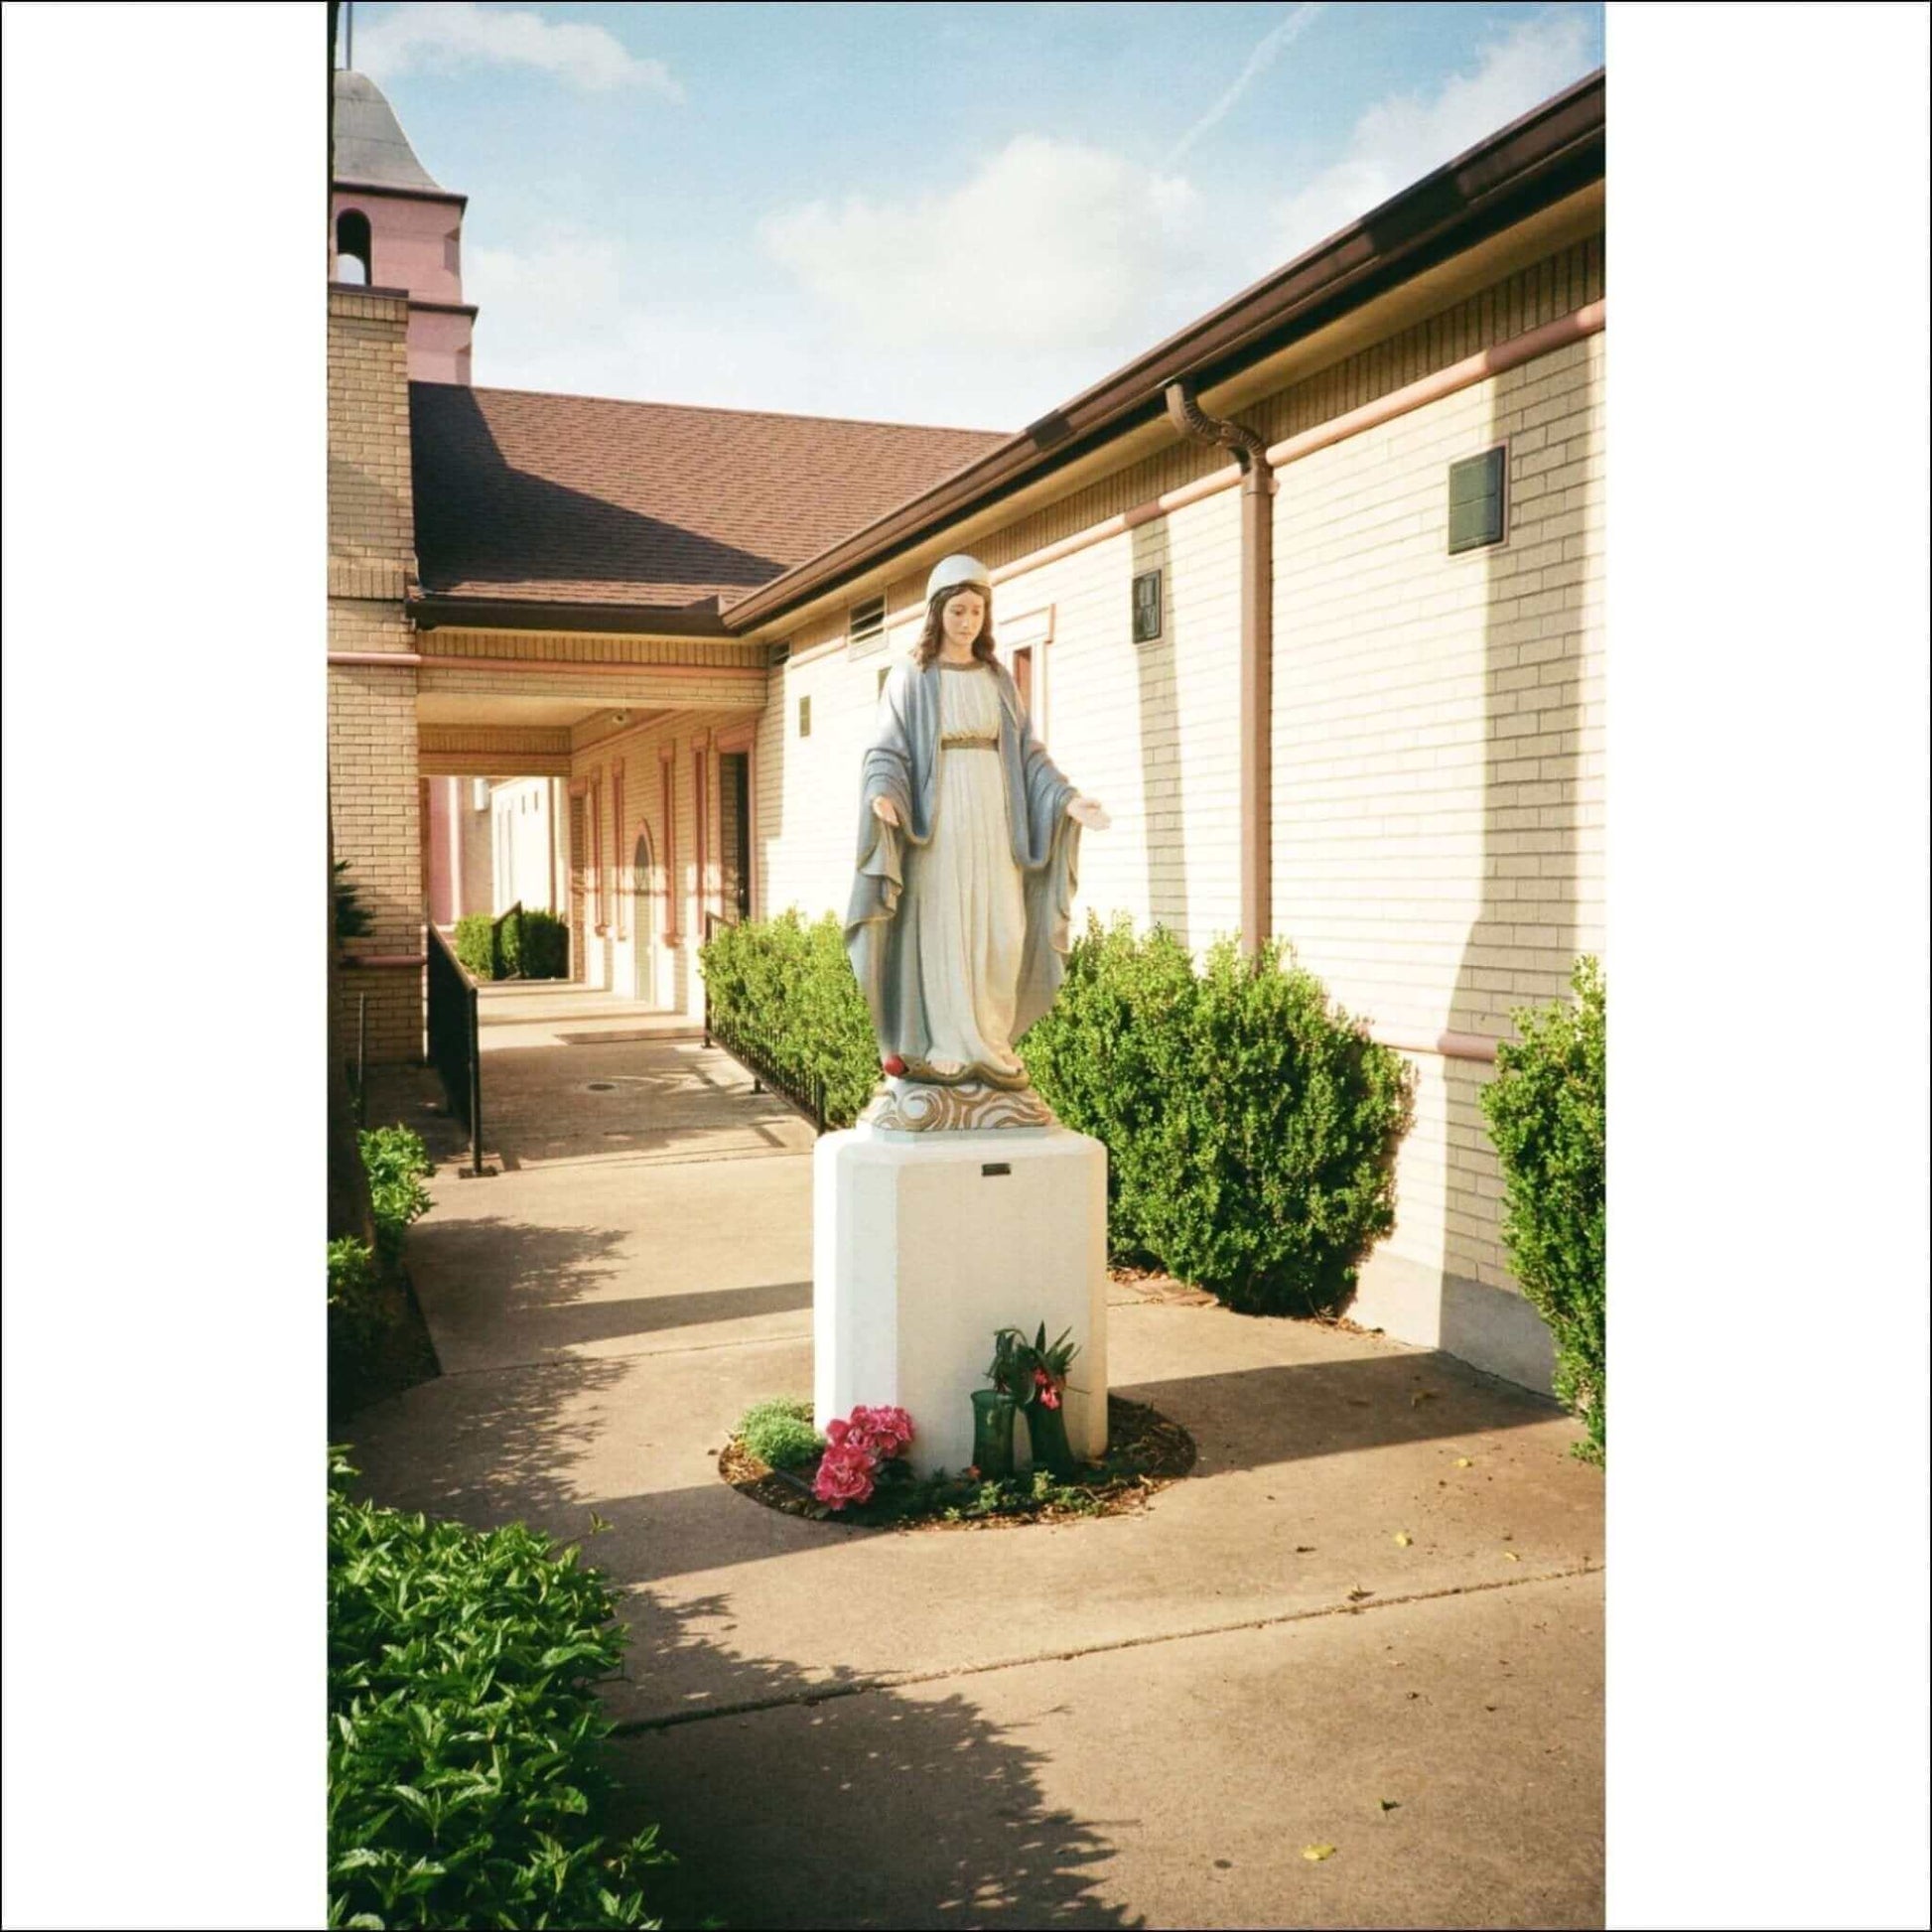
(990, 742)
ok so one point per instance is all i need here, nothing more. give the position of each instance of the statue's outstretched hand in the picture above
(1088, 812)
(885, 810)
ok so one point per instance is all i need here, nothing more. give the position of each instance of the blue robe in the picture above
(903, 765)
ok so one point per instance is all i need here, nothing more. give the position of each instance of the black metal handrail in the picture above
(452, 1048)
(749, 1045)
(497, 943)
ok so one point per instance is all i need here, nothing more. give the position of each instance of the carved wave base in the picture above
(913, 1107)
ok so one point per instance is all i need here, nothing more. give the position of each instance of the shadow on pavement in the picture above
(505, 1458)
(478, 1275)
(1254, 1418)
(881, 1809)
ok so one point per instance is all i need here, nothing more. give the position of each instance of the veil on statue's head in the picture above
(959, 573)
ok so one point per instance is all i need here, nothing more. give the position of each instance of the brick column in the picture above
(374, 794)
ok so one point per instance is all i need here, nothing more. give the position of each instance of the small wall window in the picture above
(1146, 606)
(354, 250)
(865, 626)
(804, 717)
(1476, 511)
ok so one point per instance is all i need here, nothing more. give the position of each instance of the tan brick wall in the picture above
(610, 960)
(377, 829)
(371, 520)
(374, 806)
(1438, 749)
(699, 687)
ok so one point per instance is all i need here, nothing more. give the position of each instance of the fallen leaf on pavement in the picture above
(1314, 1853)
(1465, 1463)
(1404, 1538)
(1356, 1594)
(1421, 1396)
(1510, 1555)
(1390, 1804)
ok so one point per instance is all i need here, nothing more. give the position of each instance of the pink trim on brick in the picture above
(1573, 328)
(667, 773)
(1447, 1047)
(616, 840)
(600, 919)
(386, 959)
(701, 832)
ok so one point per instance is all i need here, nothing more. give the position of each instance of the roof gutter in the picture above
(1533, 162)
(1256, 675)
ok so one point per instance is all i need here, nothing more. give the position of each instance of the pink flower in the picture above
(887, 1429)
(1050, 1396)
(845, 1474)
(837, 1431)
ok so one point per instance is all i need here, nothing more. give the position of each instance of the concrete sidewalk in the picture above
(1135, 1720)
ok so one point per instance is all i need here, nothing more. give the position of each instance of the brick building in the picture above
(1311, 594)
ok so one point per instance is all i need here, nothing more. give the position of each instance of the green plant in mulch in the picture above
(1545, 1110)
(1145, 1452)
(467, 1781)
(399, 1163)
(375, 1336)
(356, 1306)
(780, 1432)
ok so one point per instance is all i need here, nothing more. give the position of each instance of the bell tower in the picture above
(392, 228)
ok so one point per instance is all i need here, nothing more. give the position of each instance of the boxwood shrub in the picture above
(466, 1777)
(537, 947)
(1545, 1110)
(1251, 1125)
(789, 986)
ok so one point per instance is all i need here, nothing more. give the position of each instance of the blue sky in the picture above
(918, 213)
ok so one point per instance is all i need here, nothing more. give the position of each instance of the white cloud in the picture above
(1050, 244)
(1266, 50)
(450, 32)
(566, 295)
(1401, 139)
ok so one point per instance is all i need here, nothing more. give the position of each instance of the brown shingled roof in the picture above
(526, 496)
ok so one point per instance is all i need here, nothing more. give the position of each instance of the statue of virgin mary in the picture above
(968, 842)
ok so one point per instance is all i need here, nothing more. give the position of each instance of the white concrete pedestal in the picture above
(923, 1247)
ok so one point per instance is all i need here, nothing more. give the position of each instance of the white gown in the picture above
(966, 890)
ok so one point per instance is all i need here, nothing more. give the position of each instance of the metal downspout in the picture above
(1256, 789)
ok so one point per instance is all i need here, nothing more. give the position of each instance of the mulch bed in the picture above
(1146, 1451)
(402, 1356)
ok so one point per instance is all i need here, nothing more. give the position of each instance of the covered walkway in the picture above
(1139, 1719)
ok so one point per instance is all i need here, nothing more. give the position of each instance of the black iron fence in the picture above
(452, 1039)
(753, 1049)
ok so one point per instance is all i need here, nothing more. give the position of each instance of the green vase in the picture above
(1047, 1429)
(992, 1433)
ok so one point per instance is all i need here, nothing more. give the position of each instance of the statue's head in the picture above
(958, 609)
